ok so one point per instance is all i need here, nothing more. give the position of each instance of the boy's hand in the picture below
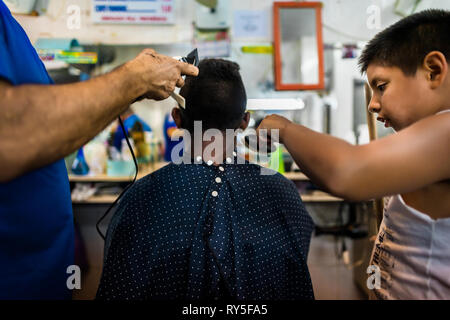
(157, 75)
(276, 122)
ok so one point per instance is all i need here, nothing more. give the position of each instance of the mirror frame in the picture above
(277, 45)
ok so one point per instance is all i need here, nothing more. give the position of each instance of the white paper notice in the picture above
(250, 24)
(133, 12)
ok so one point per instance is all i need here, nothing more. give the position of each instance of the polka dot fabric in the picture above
(199, 231)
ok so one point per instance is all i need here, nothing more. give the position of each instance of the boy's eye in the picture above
(382, 87)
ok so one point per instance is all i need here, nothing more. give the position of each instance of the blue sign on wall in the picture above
(133, 11)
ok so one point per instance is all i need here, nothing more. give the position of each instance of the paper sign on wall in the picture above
(250, 24)
(133, 12)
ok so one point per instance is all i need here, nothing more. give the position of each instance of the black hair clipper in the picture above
(191, 58)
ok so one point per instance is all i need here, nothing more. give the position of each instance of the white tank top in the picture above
(412, 251)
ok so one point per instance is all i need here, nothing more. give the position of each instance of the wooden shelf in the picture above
(98, 199)
(316, 196)
(319, 196)
(106, 178)
(294, 176)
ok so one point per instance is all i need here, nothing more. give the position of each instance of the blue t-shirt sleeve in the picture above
(6, 71)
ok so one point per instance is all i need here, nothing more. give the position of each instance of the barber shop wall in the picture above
(344, 20)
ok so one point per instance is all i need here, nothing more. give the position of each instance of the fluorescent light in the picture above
(275, 104)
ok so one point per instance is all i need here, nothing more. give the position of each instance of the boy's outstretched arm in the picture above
(415, 157)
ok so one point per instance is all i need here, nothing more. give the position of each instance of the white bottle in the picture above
(126, 153)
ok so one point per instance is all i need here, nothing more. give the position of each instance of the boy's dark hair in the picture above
(406, 43)
(216, 96)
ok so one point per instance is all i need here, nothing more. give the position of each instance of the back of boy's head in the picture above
(406, 43)
(216, 96)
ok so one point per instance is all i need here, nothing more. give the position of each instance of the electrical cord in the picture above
(340, 238)
(191, 58)
(126, 188)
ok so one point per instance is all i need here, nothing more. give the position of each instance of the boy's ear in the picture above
(176, 115)
(436, 67)
(245, 121)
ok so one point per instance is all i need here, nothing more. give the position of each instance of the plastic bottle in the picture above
(79, 165)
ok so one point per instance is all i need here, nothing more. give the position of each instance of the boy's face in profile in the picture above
(399, 100)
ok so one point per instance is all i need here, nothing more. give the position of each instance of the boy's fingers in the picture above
(262, 125)
(188, 69)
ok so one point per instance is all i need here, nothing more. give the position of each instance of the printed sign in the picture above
(133, 11)
(250, 24)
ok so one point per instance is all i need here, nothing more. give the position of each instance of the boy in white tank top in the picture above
(407, 67)
(412, 253)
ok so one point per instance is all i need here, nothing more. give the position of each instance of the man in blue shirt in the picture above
(213, 229)
(41, 123)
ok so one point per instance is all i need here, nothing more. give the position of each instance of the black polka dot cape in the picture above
(201, 232)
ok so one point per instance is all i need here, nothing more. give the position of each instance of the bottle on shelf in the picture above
(79, 165)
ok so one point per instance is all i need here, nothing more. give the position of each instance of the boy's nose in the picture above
(374, 106)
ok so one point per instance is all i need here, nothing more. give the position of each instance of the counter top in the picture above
(316, 196)
(294, 176)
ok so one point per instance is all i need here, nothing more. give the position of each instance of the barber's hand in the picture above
(274, 122)
(158, 75)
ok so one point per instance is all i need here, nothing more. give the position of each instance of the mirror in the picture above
(298, 46)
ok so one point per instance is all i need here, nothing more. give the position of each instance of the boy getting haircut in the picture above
(209, 230)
